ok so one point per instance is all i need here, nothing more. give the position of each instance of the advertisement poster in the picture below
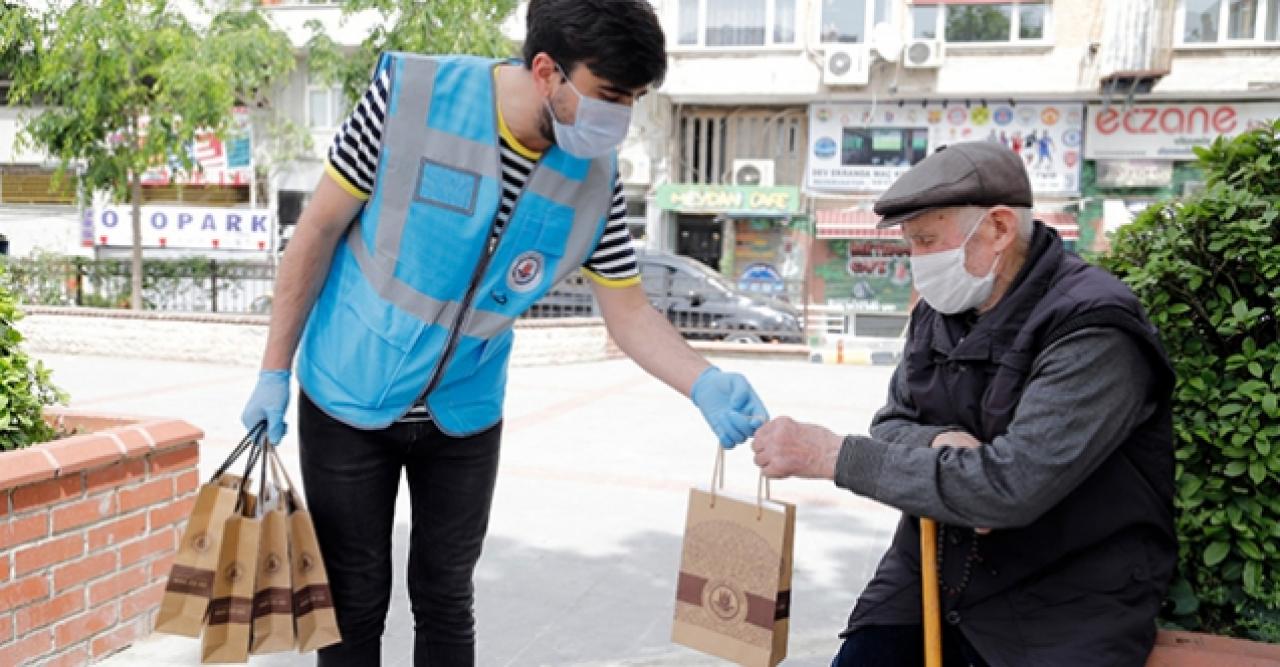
(1169, 131)
(867, 275)
(767, 257)
(214, 161)
(864, 148)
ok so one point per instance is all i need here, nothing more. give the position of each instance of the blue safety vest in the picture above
(421, 295)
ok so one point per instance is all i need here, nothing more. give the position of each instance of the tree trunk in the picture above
(135, 266)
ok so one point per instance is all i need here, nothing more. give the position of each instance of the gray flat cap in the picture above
(973, 173)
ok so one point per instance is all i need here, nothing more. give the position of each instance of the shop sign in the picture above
(730, 199)
(864, 148)
(1169, 131)
(867, 275)
(1134, 173)
(188, 227)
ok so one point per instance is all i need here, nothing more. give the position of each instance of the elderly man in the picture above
(1030, 417)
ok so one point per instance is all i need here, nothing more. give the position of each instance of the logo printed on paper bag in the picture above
(723, 601)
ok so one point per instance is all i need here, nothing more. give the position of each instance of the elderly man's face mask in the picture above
(944, 283)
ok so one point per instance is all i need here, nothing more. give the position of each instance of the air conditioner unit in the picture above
(847, 66)
(753, 172)
(634, 167)
(922, 53)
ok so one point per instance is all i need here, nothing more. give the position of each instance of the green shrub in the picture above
(1208, 271)
(25, 387)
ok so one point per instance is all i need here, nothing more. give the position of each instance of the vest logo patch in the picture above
(526, 271)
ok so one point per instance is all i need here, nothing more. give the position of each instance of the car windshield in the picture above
(714, 279)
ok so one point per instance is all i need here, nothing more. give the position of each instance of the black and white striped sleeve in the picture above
(353, 156)
(613, 264)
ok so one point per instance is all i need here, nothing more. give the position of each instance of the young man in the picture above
(457, 192)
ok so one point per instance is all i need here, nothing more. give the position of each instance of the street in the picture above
(584, 542)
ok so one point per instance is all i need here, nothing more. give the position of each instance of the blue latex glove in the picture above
(268, 403)
(729, 405)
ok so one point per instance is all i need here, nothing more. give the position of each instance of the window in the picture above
(736, 23)
(325, 107)
(1229, 21)
(850, 21)
(1008, 22)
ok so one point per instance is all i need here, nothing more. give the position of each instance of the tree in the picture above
(1208, 271)
(438, 26)
(126, 84)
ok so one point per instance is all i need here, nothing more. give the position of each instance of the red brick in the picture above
(47, 492)
(109, 477)
(83, 570)
(118, 531)
(6, 563)
(20, 530)
(172, 433)
(84, 626)
(117, 639)
(90, 510)
(49, 553)
(83, 451)
(22, 592)
(180, 458)
(143, 601)
(43, 613)
(25, 466)
(76, 657)
(135, 441)
(159, 568)
(149, 493)
(32, 646)
(172, 513)
(4, 504)
(185, 483)
(161, 542)
(117, 585)
(6, 628)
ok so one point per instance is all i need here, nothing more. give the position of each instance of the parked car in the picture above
(698, 301)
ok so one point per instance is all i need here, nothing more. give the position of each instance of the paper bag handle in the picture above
(762, 484)
(238, 450)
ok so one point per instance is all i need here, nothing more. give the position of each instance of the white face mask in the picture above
(943, 282)
(598, 127)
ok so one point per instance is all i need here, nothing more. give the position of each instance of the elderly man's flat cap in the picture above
(974, 173)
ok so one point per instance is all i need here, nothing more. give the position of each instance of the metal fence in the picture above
(219, 286)
(194, 285)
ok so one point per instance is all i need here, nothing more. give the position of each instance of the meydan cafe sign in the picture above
(741, 199)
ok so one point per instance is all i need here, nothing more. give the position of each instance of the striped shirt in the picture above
(353, 161)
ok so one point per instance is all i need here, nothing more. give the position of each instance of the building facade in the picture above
(833, 99)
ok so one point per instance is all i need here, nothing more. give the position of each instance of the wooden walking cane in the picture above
(929, 589)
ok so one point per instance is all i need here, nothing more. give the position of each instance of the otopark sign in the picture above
(187, 227)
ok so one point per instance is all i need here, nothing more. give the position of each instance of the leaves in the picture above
(25, 384)
(1207, 268)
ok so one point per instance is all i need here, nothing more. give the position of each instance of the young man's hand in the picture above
(729, 405)
(268, 402)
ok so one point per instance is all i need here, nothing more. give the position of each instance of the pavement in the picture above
(584, 545)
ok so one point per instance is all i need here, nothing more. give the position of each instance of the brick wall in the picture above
(89, 526)
(240, 339)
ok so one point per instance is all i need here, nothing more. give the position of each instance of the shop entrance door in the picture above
(701, 238)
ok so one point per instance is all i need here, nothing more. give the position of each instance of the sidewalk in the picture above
(583, 547)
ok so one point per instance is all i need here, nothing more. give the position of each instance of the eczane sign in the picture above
(1168, 131)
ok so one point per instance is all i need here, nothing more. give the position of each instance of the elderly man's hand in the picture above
(787, 448)
(959, 439)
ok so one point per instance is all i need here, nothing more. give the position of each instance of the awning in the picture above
(861, 224)
(852, 224)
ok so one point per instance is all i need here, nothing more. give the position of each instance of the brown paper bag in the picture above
(313, 614)
(190, 585)
(733, 596)
(226, 637)
(273, 591)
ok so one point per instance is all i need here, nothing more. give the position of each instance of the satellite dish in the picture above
(886, 41)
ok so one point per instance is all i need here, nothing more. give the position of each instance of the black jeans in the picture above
(352, 477)
(903, 646)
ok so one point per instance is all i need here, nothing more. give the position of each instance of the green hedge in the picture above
(25, 386)
(1208, 270)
